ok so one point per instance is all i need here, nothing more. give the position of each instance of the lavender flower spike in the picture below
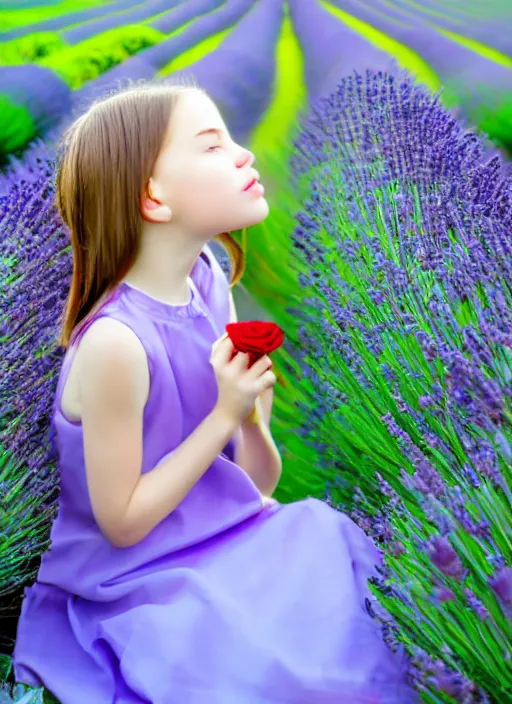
(445, 558)
(502, 585)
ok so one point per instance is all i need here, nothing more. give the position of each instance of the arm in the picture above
(113, 387)
(256, 452)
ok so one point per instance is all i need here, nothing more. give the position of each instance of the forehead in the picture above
(193, 112)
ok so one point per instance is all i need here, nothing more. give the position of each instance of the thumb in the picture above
(217, 342)
(215, 351)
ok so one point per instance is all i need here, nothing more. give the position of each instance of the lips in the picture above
(250, 184)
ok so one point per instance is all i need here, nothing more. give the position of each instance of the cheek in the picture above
(211, 186)
(209, 200)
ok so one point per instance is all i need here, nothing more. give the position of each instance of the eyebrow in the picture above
(211, 130)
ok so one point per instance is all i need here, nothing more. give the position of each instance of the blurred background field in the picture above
(267, 63)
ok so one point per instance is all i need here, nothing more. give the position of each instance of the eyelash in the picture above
(217, 146)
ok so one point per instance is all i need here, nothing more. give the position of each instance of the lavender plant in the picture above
(30, 48)
(227, 15)
(403, 250)
(84, 62)
(32, 101)
(35, 268)
(136, 15)
(331, 49)
(68, 19)
(475, 78)
(183, 15)
(483, 23)
(239, 74)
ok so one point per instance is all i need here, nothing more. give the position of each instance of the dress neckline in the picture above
(162, 310)
(199, 281)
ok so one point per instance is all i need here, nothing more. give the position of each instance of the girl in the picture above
(171, 579)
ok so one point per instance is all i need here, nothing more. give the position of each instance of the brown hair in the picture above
(107, 159)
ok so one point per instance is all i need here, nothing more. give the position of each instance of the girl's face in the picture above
(207, 181)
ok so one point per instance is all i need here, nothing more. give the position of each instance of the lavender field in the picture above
(383, 134)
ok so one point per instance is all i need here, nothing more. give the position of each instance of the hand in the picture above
(238, 386)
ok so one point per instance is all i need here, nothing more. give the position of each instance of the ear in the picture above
(153, 210)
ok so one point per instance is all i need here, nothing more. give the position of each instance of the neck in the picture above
(164, 263)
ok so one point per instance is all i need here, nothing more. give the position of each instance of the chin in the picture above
(257, 214)
(248, 217)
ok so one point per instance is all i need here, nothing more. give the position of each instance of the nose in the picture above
(245, 158)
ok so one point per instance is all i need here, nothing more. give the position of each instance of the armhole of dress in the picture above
(61, 383)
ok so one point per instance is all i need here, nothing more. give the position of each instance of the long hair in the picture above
(106, 161)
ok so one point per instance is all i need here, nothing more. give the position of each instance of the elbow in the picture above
(120, 535)
(121, 541)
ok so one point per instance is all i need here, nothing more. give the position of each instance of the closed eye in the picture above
(212, 149)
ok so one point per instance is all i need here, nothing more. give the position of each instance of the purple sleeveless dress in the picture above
(229, 600)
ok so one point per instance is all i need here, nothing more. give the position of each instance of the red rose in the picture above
(255, 337)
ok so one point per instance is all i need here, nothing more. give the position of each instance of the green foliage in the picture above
(195, 53)
(20, 693)
(81, 63)
(16, 126)
(30, 48)
(406, 57)
(11, 19)
(268, 277)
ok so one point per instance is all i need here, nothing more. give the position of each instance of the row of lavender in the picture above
(39, 95)
(404, 350)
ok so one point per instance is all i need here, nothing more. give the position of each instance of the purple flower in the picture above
(331, 49)
(399, 243)
(248, 52)
(427, 670)
(488, 28)
(45, 96)
(454, 685)
(139, 13)
(229, 14)
(472, 76)
(186, 12)
(397, 549)
(476, 605)
(477, 85)
(445, 558)
(428, 480)
(70, 18)
(501, 583)
(35, 269)
(443, 594)
(37, 159)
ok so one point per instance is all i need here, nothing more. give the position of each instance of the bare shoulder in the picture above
(112, 359)
(108, 337)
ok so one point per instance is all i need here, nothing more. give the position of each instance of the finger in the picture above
(240, 362)
(222, 351)
(259, 367)
(266, 380)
